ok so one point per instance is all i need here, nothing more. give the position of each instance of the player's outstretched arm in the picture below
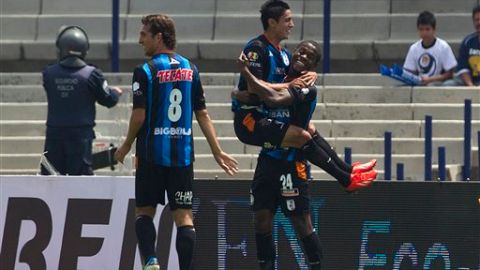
(136, 122)
(226, 162)
(264, 91)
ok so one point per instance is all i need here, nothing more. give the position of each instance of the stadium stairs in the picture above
(353, 110)
(364, 33)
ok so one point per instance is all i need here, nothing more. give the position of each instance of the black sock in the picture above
(146, 235)
(185, 244)
(265, 251)
(329, 150)
(317, 156)
(313, 250)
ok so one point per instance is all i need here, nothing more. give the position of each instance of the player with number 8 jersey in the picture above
(169, 88)
(166, 93)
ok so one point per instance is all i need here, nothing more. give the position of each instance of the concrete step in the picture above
(327, 94)
(336, 128)
(220, 111)
(115, 79)
(454, 146)
(365, 94)
(413, 163)
(445, 94)
(34, 144)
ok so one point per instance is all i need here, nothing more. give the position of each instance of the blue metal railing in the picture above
(467, 142)
(115, 63)
(400, 171)
(428, 148)
(442, 160)
(326, 35)
(388, 156)
(348, 155)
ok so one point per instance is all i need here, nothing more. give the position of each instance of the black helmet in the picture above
(72, 41)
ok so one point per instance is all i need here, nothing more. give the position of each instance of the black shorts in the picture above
(151, 182)
(253, 128)
(280, 182)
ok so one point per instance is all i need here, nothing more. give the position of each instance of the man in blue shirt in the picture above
(73, 87)
(166, 92)
(468, 69)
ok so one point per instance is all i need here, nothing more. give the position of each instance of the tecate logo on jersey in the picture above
(172, 131)
(175, 75)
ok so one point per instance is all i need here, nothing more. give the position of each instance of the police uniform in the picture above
(168, 87)
(269, 64)
(72, 90)
(281, 176)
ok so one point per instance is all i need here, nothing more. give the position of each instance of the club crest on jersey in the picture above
(175, 75)
(291, 205)
(427, 63)
(286, 61)
(252, 56)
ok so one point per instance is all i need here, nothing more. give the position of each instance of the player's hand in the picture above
(297, 83)
(121, 152)
(117, 90)
(309, 77)
(227, 163)
(426, 80)
(242, 61)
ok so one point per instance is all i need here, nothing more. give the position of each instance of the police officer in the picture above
(72, 88)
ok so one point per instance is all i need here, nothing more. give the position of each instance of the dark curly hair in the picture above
(163, 24)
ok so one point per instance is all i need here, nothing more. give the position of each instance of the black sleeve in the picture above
(302, 95)
(139, 88)
(258, 64)
(198, 94)
(99, 86)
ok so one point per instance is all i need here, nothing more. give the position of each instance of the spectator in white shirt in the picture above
(431, 57)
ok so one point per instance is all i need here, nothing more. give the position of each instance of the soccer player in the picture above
(166, 92)
(431, 57)
(287, 126)
(268, 61)
(281, 174)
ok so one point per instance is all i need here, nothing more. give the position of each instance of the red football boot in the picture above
(361, 180)
(365, 167)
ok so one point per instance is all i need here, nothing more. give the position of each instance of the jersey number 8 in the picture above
(175, 110)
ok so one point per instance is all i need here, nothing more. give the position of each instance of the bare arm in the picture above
(228, 163)
(466, 79)
(245, 97)
(441, 77)
(264, 91)
(136, 122)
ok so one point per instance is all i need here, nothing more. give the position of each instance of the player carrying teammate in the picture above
(166, 92)
(288, 123)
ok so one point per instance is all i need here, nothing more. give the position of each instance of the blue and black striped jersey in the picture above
(266, 62)
(169, 88)
(299, 113)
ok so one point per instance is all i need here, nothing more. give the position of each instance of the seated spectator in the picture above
(469, 56)
(431, 58)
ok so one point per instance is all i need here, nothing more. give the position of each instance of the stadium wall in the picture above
(87, 223)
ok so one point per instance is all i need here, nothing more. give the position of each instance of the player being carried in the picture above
(296, 132)
(281, 175)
